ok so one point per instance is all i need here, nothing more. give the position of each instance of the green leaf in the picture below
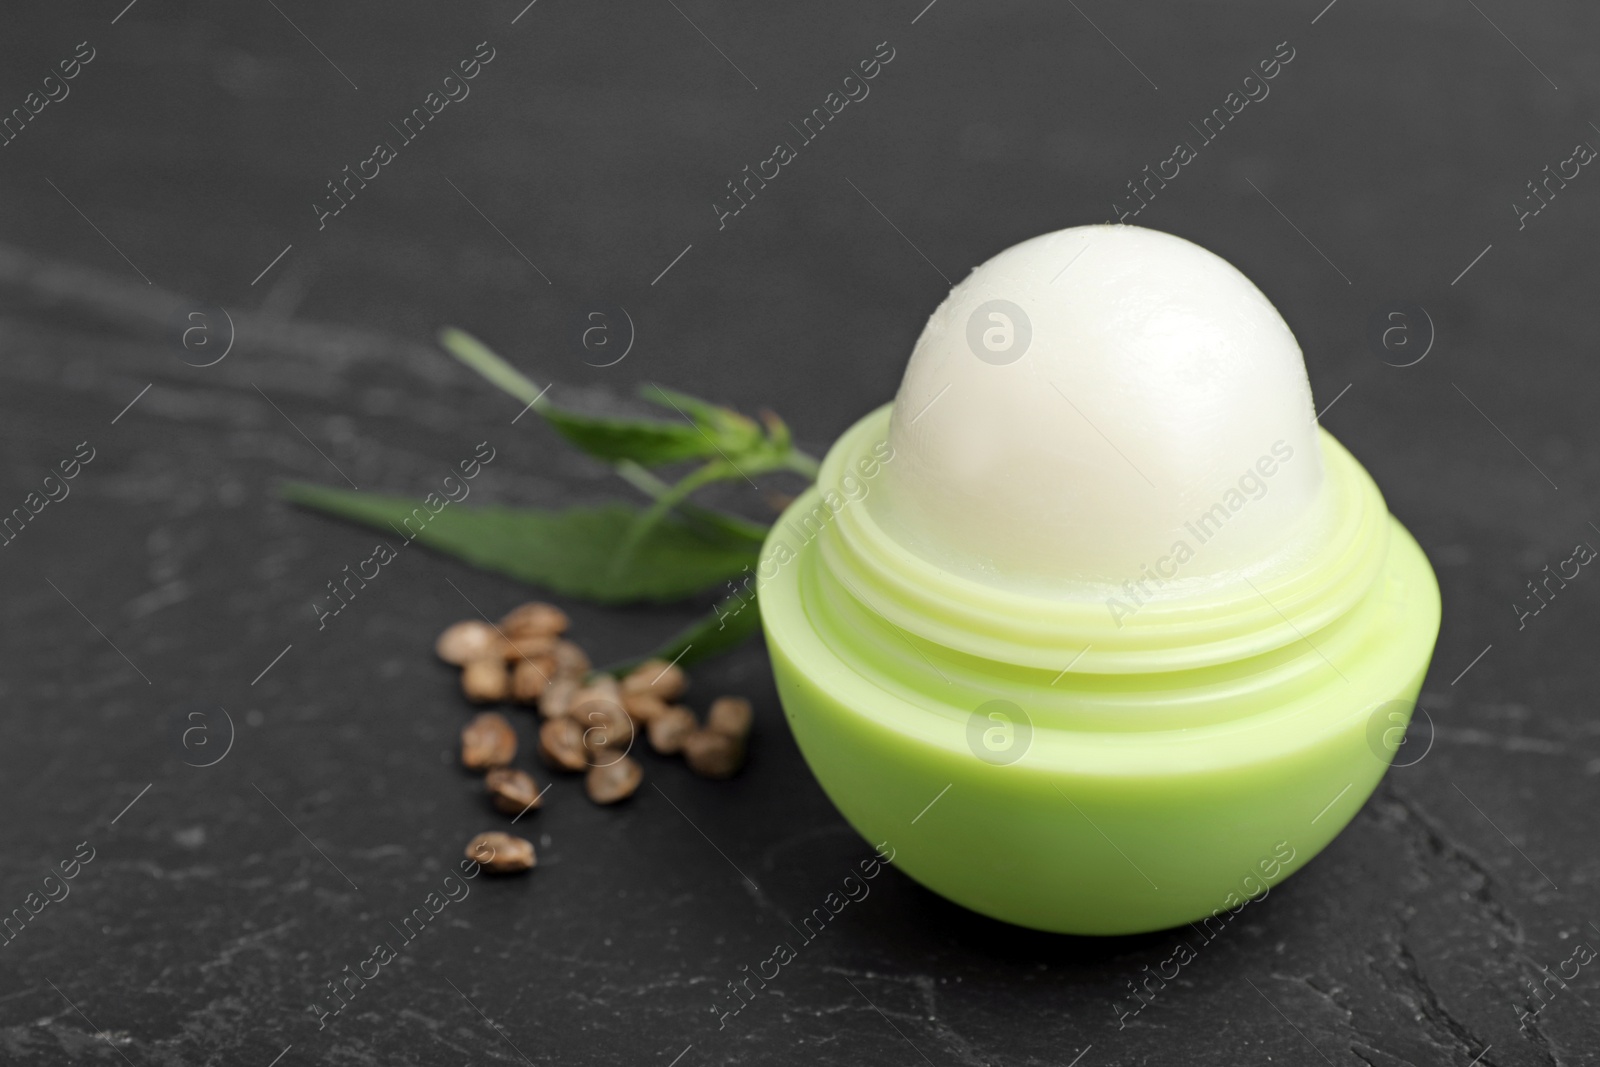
(729, 624)
(648, 441)
(570, 551)
(734, 433)
(778, 432)
(739, 438)
(652, 442)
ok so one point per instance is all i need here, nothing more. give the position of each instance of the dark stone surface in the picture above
(197, 139)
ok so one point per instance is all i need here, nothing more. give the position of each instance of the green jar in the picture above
(1031, 760)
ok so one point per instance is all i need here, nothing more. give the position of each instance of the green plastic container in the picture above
(1038, 764)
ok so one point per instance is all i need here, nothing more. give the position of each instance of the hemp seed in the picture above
(670, 729)
(487, 741)
(598, 687)
(571, 661)
(469, 640)
(486, 681)
(610, 782)
(523, 645)
(512, 791)
(561, 744)
(606, 727)
(663, 679)
(530, 678)
(534, 618)
(713, 755)
(556, 701)
(643, 708)
(501, 853)
(731, 716)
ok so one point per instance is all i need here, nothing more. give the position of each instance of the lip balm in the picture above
(1094, 624)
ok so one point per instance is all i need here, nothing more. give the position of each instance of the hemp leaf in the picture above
(615, 553)
(707, 430)
(570, 551)
(650, 442)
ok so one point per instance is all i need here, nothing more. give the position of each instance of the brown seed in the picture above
(665, 680)
(606, 727)
(486, 681)
(487, 741)
(713, 755)
(731, 716)
(643, 708)
(561, 744)
(556, 700)
(531, 677)
(511, 790)
(598, 687)
(464, 642)
(571, 661)
(500, 853)
(670, 729)
(522, 646)
(534, 618)
(610, 782)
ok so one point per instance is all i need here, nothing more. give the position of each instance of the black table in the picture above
(180, 172)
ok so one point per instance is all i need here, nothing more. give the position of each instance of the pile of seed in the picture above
(590, 720)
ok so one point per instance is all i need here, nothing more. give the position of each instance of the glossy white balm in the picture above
(1100, 405)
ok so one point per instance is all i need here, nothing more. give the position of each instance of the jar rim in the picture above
(1237, 619)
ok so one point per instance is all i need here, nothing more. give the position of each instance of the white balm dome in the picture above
(1101, 405)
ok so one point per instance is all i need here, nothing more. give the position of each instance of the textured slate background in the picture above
(596, 141)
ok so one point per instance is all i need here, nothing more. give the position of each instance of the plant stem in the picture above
(477, 355)
(803, 464)
(641, 479)
(665, 502)
(654, 488)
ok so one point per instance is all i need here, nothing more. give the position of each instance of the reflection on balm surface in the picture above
(1102, 404)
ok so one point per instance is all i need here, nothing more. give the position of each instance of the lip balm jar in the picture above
(1095, 625)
